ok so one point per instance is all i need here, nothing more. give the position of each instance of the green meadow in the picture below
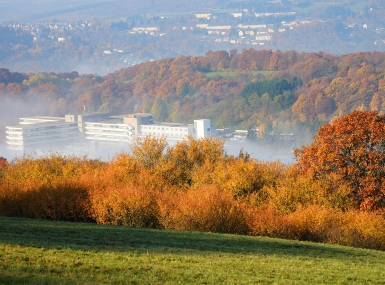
(46, 252)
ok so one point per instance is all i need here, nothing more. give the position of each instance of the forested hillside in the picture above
(273, 90)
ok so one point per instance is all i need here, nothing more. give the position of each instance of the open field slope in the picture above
(44, 252)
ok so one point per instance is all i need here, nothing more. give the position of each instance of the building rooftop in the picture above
(43, 124)
(109, 121)
(134, 115)
(39, 119)
(42, 118)
(169, 125)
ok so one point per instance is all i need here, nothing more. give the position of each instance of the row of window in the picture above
(164, 128)
(107, 137)
(108, 126)
(40, 134)
(108, 131)
(164, 135)
(40, 140)
(51, 128)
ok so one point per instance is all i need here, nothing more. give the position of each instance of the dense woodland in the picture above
(335, 193)
(278, 92)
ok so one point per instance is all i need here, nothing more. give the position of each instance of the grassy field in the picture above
(233, 74)
(44, 252)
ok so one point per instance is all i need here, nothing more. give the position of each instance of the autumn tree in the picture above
(149, 151)
(352, 149)
(3, 165)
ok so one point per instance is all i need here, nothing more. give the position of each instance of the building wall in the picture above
(138, 119)
(112, 132)
(202, 128)
(169, 131)
(40, 135)
(50, 131)
(91, 117)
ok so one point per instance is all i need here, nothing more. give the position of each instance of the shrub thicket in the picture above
(193, 185)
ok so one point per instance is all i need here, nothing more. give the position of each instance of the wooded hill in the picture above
(273, 90)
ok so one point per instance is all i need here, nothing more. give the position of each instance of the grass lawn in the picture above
(233, 74)
(44, 252)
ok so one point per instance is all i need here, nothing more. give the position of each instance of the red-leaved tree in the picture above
(351, 148)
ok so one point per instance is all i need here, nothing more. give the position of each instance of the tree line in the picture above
(276, 91)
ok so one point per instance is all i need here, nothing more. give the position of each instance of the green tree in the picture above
(185, 90)
(159, 110)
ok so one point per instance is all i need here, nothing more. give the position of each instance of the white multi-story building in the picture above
(168, 131)
(174, 132)
(41, 132)
(36, 135)
(202, 128)
(109, 131)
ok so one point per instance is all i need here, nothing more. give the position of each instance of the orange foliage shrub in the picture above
(62, 200)
(189, 161)
(292, 190)
(3, 164)
(47, 188)
(121, 170)
(128, 206)
(241, 177)
(205, 209)
(126, 170)
(321, 224)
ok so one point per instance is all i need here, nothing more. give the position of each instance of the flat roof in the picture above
(94, 114)
(42, 117)
(169, 125)
(134, 115)
(109, 121)
(44, 124)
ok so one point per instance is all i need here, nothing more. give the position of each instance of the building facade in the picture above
(109, 131)
(41, 132)
(168, 131)
(202, 128)
(36, 135)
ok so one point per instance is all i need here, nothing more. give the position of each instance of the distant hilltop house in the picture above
(252, 26)
(218, 27)
(217, 30)
(145, 28)
(263, 38)
(279, 14)
(43, 132)
(202, 26)
(237, 15)
(203, 15)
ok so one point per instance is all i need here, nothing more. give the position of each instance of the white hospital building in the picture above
(101, 128)
(40, 131)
